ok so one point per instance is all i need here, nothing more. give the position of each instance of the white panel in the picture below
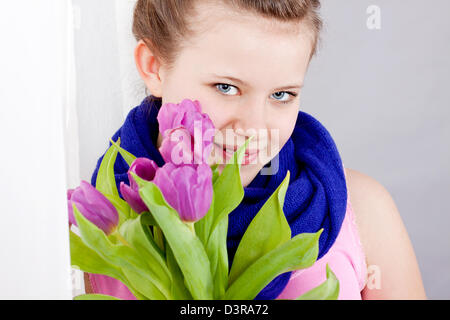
(34, 251)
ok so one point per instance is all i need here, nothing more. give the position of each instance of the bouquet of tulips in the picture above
(166, 238)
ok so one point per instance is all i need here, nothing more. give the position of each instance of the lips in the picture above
(233, 149)
(227, 152)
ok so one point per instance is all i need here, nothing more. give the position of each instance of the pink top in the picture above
(346, 259)
(110, 286)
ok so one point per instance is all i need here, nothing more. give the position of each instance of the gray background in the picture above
(382, 94)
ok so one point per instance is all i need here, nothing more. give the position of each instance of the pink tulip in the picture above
(94, 206)
(145, 169)
(188, 189)
(178, 148)
(187, 115)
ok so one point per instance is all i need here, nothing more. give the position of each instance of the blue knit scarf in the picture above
(316, 197)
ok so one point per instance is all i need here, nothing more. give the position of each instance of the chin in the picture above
(248, 173)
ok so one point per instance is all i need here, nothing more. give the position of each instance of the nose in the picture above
(250, 118)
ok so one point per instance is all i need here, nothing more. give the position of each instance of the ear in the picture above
(148, 67)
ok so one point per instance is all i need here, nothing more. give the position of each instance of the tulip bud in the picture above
(94, 206)
(188, 189)
(145, 169)
(185, 121)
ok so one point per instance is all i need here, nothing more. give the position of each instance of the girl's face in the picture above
(247, 73)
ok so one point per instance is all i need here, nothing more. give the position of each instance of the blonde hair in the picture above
(164, 24)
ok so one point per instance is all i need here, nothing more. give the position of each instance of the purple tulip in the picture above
(197, 136)
(188, 189)
(178, 148)
(94, 206)
(145, 169)
(172, 115)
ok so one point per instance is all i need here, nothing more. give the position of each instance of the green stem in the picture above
(120, 238)
(191, 227)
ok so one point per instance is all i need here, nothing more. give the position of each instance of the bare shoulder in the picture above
(385, 240)
(367, 197)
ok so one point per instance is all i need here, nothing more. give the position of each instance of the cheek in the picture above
(282, 130)
(215, 111)
(180, 86)
(218, 117)
(288, 128)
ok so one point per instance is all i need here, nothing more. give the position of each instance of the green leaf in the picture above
(139, 237)
(298, 253)
(179, 290)
(203, 226)
(187, 247)
(228, 187)
(218, 256)
(106, 181)
(268, 230)
(213, 227)
(215, 171)
(125, 257)
(132, 214)
(123, 209)
(95, 297)
(328, 290)
(159, 238)
(145, 284)
(128, 157)
(87, 260)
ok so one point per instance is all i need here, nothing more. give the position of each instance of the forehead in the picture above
(246, 45)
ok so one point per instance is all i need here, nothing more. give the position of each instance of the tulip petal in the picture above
(71, 216)
(188, 115)
(164, 182)
(176, 141)
(133, 198)
(188, 189)
(185, 178)
(94, 206)
(202, 191)
(144, 168)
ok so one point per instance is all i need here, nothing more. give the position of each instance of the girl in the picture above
(245, 61)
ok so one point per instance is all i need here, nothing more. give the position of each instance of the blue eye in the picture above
(284, 93)
(225, 88)
(228, 90)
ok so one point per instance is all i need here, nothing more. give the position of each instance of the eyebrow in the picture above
(291, 86)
